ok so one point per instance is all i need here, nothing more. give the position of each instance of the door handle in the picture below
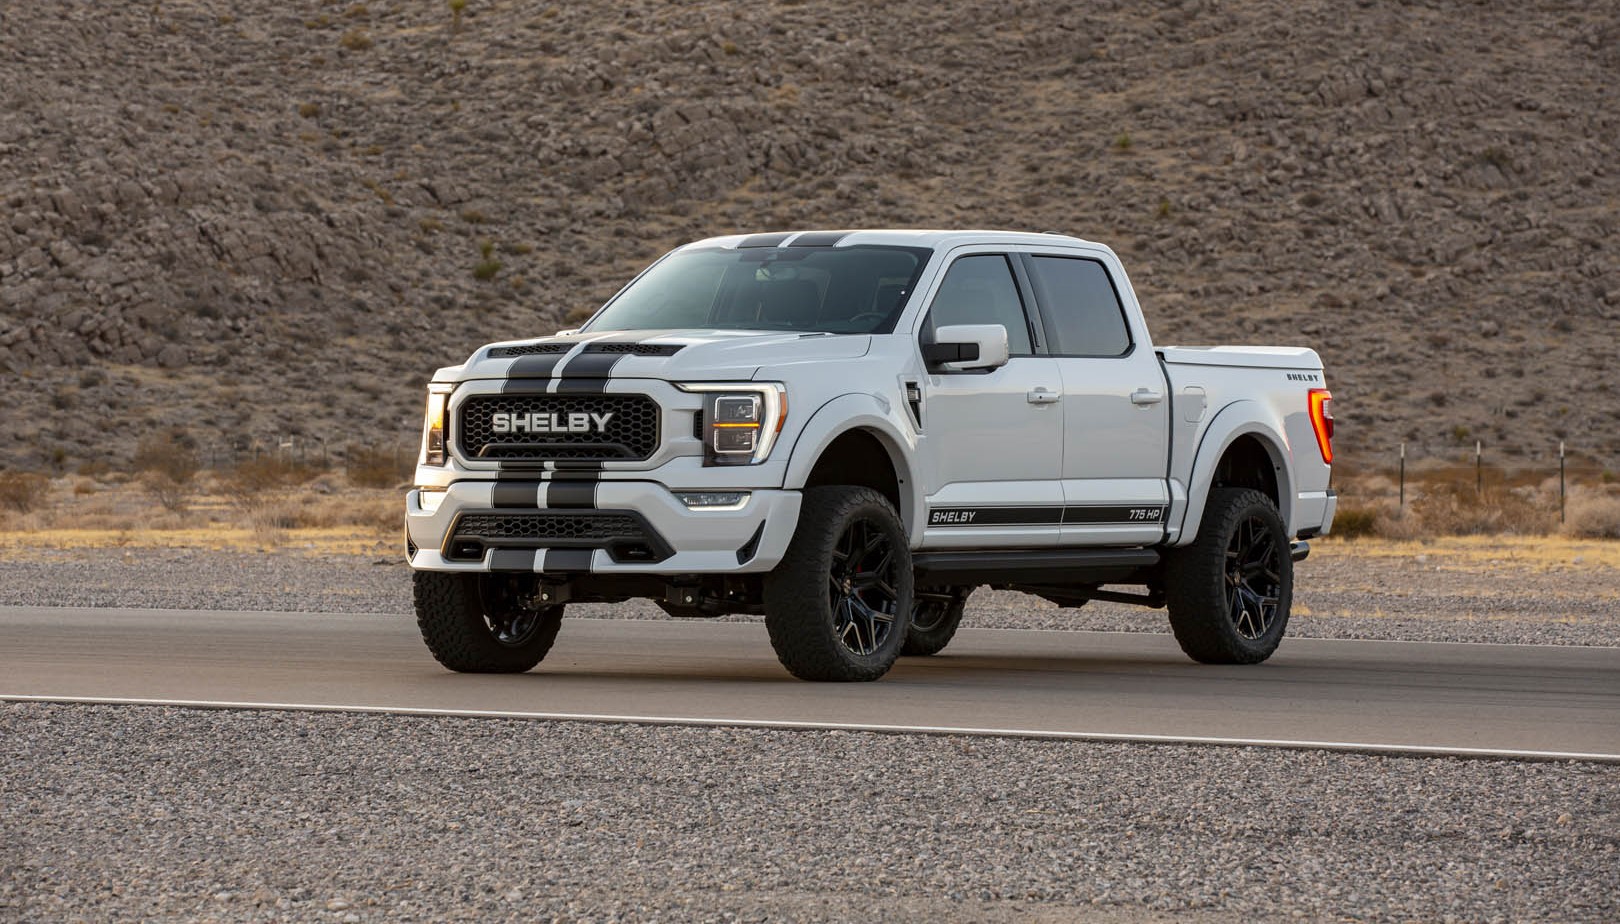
(1042, 396)
(1142, 397)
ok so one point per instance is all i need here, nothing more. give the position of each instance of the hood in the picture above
(672, 355)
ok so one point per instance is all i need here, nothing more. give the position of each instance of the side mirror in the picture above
(967, 348)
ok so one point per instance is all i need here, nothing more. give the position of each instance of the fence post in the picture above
(1403, 475)
(1561, 481)
(1479, 472)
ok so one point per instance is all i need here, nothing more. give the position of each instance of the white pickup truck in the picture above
(847, 432)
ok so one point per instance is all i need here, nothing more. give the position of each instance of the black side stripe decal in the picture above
(773, 239)
(1044, 515)
(524, 494)
(567, 560)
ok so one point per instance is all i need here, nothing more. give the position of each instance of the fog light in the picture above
(713, 500)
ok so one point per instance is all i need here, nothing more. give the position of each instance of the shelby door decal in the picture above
(1042, 516)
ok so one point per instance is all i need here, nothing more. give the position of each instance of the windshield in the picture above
(839, 290)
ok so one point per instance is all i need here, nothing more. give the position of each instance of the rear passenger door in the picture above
(1115, 400)
(991, 450)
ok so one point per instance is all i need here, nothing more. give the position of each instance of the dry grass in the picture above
(1449, 502)
(259, 505)
(1485, 554)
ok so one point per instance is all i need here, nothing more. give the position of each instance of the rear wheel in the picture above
(1229, 593)
(838, 605)
(934, 619)
(484, 623)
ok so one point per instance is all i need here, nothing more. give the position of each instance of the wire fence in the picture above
(1544, 483)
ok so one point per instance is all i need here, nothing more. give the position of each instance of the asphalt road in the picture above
(1380, 696)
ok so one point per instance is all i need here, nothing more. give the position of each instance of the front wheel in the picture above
(838, 605)
(1230, 591)
(483, 623)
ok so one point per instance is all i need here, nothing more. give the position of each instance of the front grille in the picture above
(631, 435)
(497, 528)
(625, 535)
(530, 349)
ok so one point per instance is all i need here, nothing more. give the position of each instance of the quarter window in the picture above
(1082, 313)
(980, 290)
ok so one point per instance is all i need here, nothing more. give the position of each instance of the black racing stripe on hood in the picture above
(774, 239)
(540, 366)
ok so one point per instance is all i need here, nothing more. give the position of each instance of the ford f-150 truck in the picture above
(848, 432)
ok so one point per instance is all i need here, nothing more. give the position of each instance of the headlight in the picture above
(433, 426)
(740, 421)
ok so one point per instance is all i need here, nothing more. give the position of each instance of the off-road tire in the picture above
(1200, 590)
(450, 611)
(927, 635)
(799, 597)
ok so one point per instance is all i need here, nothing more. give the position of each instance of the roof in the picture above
(894, 238)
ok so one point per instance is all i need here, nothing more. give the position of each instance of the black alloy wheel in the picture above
(863, 587)
(1229, 592)
(838, 604)
(1253, 578)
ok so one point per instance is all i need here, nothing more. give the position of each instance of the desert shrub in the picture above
(489, 266)
(168, 465)
(355, 40)
(1457, 510)
(1353, 521)
(249, 483)
(23, 492)
(1593, 517)
(374, 467)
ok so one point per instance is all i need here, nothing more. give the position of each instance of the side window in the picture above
(980, 290)
(1082, 311)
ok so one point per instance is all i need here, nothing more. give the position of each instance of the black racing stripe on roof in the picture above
(819, 238)
(773, 239)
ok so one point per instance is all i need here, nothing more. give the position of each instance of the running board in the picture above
(1035, 566)
(1299, 550)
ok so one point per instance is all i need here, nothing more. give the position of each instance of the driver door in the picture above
(991, 449)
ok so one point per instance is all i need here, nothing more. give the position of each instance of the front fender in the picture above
(1236, 420)
(881, 419)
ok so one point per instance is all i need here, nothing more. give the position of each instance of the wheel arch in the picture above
(1240, 448)
(853, 439)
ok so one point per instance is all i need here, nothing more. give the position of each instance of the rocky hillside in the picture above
(252, 220)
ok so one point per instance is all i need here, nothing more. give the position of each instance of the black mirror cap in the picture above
(950, 352)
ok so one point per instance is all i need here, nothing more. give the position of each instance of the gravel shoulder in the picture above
(124, 813)
(1514, 591)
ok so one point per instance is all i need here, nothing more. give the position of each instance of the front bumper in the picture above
(749, 539)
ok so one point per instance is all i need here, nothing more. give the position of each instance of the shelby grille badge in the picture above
(540, 422)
